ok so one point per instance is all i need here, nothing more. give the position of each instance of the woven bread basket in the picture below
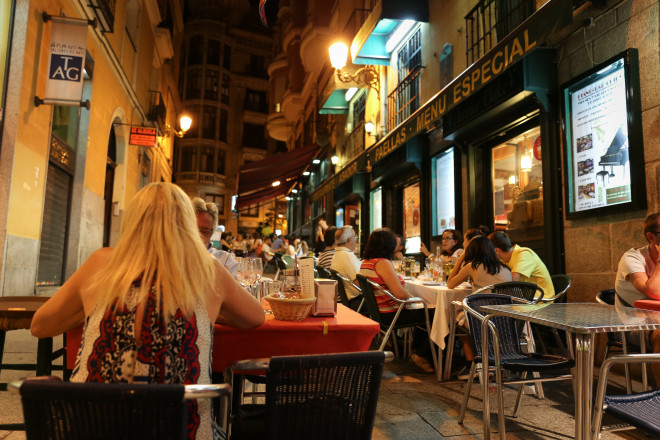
(285, 309)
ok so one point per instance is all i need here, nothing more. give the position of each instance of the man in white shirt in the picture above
(345, 262)
(638, 276)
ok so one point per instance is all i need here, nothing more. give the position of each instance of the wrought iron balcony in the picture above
(404, 100)
(105, 13)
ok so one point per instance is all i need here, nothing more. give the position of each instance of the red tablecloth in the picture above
(348, 331)
(648, 304)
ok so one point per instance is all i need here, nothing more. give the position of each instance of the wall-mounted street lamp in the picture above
(367, 74)
(334, 159)
(370, 128)
(184, 123)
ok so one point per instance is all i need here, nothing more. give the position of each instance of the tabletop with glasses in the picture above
(584, 320)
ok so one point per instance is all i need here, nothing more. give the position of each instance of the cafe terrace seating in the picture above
(528, 292)
(326, 396)
(55, 410)
(641, 410)
(622, 343)
(368, 288)
(504, 352)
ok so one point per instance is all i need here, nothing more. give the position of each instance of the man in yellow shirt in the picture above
(525, 265)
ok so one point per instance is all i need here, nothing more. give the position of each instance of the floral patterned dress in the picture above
(176, 351)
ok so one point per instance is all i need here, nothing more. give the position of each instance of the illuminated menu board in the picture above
(604, 149)
(443, 192)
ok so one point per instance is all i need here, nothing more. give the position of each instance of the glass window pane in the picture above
(517, 177)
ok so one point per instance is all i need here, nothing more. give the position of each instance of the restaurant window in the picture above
(213, 52)
(225, 89)
(220, 163)
(219, 201)
(196, 50)
(443, 190)
(210, 122)
(211, 84)
(376, 208)
(194, 84)
(226, 57)
(188, 159)
(517, 178)
(206, 160)
(224, 115)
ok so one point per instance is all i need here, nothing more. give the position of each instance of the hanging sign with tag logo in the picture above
(66, 61)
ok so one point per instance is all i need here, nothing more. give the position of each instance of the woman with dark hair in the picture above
(377, 266)
(475, 232)
(481, 265)
(452, 245)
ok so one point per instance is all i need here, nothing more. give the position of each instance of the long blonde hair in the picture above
(159, 241)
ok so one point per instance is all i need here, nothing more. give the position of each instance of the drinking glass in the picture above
(244, 272)
(257, 268)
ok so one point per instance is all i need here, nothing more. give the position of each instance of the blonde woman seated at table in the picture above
(481, 265)
(377, 266)
(150, 303)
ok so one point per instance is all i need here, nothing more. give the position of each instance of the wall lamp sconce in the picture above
(184, 122)
(334, 159)
(276, 183)
(316, 161)
(526, 163)
(370, 128)
(367, 74)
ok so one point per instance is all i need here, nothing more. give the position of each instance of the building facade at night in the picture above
(538, 118)
(67, 171)
(224, 86)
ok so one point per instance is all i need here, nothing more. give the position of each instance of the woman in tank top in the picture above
(149, 304)
(481, 265)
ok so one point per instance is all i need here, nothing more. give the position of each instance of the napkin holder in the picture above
(325, 292)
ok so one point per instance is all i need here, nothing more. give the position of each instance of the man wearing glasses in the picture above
(346, 263)
(207, 222)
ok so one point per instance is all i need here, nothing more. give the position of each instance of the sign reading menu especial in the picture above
(604, 149)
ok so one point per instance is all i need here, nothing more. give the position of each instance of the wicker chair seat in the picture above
(641, 410)
(532, 362)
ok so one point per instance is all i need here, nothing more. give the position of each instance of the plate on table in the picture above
(432, 283)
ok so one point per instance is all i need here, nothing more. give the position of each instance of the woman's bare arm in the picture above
(65, 310)
(236, 306)
(456, 279)
(386, 271)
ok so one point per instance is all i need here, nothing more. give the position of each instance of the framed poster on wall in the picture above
(443, 191)
(412, 230)
(604, 148)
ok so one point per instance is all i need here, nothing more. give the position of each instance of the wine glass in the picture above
(243, 274)
(257, 268)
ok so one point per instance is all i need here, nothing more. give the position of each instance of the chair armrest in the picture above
(202, 391)
(250, 365)
(410, 300)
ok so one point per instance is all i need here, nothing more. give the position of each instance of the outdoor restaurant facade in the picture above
(546, 129)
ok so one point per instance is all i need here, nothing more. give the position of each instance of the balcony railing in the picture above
(357, 18)
(404, 99)
(199, 177)
(105, 12)
(490, 21)
(157, 110)
(353, 144)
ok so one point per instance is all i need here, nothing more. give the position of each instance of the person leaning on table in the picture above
(638, 277)
(161, 281)
(525, 265)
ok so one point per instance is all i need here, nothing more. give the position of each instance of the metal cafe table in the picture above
(584, 320)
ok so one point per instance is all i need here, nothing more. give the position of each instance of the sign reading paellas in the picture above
(144, 136)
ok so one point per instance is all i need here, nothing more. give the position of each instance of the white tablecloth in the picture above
(440, 297)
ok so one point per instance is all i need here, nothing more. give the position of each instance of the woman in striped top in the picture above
(377, 266)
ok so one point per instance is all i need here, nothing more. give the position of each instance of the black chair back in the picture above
(507, 327)
(606, 297)
(519, 289)
(63, 410)
(561, 283)
(329, 396)
(323, 272)
(370, 300)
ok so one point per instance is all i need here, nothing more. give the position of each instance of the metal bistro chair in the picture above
(368, 288)
(560, 284)
(325, 396)
(71, 411)
(640, 410)
(619, 341)
(504, 352)
(342, 282)
(323, 272)
(528, 292)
